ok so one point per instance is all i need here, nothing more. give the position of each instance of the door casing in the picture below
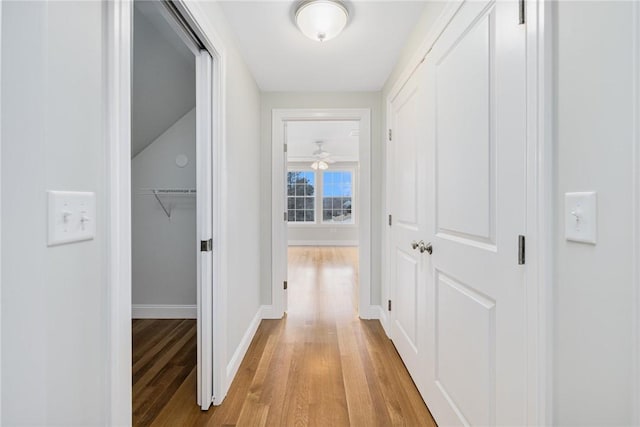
(119, 16)
(279, 227)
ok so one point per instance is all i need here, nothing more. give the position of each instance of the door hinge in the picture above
(286, 217)
(206, 245)
(285, 147)
(390, 135)
(521, 12)
(390, 220)
(521, 250)
(389, 305)
(285, 285)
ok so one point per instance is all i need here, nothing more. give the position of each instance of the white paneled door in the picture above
(408, 203)
(475, 141)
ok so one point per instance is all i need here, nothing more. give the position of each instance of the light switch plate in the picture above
(580, 212)
(72, 217)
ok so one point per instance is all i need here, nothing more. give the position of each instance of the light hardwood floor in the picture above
(320, 366)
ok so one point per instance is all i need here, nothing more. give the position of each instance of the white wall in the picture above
(291, 100)
(593, 289)
(344, 235)
(242, 188)
(425, 24)
(55, 356)
(54, 318)
(164, 250)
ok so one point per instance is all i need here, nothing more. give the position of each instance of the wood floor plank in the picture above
(361, 409)
(319, 366)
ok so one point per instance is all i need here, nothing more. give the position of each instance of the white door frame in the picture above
(636, 207)
(119, 18)
(540, 205)
(278, 230)
(0, 215)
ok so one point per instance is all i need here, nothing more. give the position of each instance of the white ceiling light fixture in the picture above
(321, 20)
(320, 164)
(322, 158)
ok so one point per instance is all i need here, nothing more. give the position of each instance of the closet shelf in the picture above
(159, 192)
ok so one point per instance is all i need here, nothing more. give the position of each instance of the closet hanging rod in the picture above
(168, 191)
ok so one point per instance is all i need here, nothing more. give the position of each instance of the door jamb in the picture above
(540, 206)
(0, 214)
(118, 36)
(279, 118)
(636, 212)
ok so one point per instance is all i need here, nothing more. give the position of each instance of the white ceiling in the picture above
(340, 138)
(281, 58)
(164, 76)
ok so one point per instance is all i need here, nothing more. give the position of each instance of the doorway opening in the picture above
(322, 212)
(321, 198)
(171, 212)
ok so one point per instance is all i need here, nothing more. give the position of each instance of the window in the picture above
(320, 197)
(301, 206)
(337, 197)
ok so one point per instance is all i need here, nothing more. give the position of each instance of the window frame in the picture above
(315, 196)
(351, 167)
(354, 210)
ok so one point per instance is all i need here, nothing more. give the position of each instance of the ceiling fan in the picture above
(321, 157)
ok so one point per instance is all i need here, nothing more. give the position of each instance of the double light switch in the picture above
(72, 216)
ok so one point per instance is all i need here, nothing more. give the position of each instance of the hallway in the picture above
(321, 365)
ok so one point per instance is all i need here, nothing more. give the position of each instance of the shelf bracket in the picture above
(166, 211)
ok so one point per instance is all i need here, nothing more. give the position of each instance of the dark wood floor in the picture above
(320, 366)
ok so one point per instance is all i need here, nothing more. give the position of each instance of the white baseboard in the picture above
(369, 313)
(322, 243)
(163, 311)
(238, 355)
(384, 319)
(268, 312)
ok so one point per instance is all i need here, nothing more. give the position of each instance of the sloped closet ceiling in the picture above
(163, 78)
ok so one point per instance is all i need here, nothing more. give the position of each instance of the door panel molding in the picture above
(406, 320)
(479, 401)
(475, 142)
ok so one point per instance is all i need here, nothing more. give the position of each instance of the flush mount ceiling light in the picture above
(321, 20)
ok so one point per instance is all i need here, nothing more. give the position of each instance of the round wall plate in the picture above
(182, 160)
